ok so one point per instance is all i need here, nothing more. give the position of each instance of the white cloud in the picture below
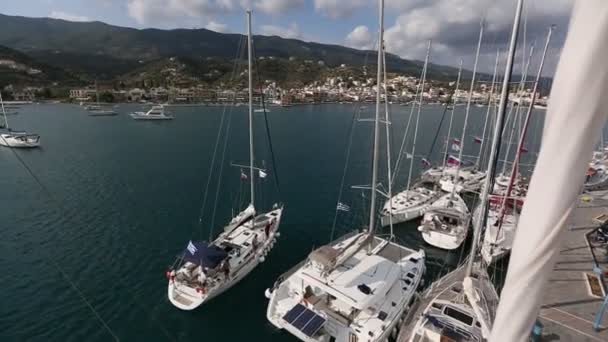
(217, 27)
(276, 7)
(339, 8)
(154, 11)
(286, 32)
(360, 38)
(68, 16)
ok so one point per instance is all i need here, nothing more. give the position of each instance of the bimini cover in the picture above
(201, 253)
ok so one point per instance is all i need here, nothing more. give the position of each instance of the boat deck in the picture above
(568, 309)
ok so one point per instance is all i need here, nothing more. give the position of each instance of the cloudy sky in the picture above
(453, 25)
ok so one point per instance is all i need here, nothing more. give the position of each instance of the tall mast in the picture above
(3, 112)
(500, 116)
(447, 144)
(520, 91)
(96, 93)
(490, 100)
(388, 144)
(466, 115)
(522, 139)
(249, 58)
(424, 69)
(372, 208)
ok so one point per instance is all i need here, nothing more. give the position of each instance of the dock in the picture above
(569, 309)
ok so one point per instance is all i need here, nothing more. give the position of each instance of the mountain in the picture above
(99, 50)
(18, 68)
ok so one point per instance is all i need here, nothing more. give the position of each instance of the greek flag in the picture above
(191, 248)
(342, 207)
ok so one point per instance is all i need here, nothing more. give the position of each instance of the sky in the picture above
(452, 25)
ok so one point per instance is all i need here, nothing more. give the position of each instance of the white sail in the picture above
(560, 168)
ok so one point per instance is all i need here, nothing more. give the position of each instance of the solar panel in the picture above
(305, 320)
(292, 314)
(313, 326)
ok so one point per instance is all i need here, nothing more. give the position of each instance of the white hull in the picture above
(286, 294)
(140, 116)
(408, 205)
(17, 141)
(103, 113)
(186, 297)
(445, 225)
(497, 244)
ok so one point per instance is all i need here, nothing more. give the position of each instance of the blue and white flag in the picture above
(191, 248)
(342, 207)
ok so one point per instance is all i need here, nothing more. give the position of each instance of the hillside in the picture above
(19, 69)
(99, 50)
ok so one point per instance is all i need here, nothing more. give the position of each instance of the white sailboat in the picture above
(155, 113)
(446, 223)
(461, 306)
(413, 202)
(207, 269)
(16, 139)
(354, 289)
(503, 214)
(97, 109)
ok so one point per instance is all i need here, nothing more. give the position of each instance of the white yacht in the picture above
(469, 180)
(205, 270)
(408, 205)
(16, 139)
(446, 223)
(155, 113)
(357, 288)
(498, 237)
(19, 139)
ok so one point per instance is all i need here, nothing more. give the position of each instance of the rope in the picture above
(219, 184)
(445, 109)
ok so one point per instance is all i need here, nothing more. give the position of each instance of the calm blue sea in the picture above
(120, 198)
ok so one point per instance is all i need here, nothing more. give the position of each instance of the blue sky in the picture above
(451, 24)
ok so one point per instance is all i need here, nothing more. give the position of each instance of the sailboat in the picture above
(415, 200)
(356, 288)
(97, 109)
(206, 269)
(16, 139)
(503, 215)
(461, 306)
(446, 224)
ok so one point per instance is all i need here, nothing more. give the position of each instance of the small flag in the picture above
(191, 248)
(478, 140)
(342, 207)
(453, 161)
(524, 150)
(456, 147)
(263, 174)
(409, 156)
(425, 162)
(243, 175)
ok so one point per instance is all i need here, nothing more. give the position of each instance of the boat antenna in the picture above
(372, 208)
(500, 121)
(466, 115)
(251, 157)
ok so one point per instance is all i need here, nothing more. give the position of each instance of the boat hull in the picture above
(9, 140)
(136, 116)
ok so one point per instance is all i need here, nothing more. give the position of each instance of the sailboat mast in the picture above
(522, 139)
(447, 143)
(388, 144)
(372, 208)
(3, 112)
(466, 115)
(96, 93)
(424, 69)
(490, 106)
(493, 159)
(249, 59)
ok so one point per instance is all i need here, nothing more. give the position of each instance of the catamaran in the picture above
(356, 288)
(16, 139)
(155, 113)
(461, 306)
(204, 270)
